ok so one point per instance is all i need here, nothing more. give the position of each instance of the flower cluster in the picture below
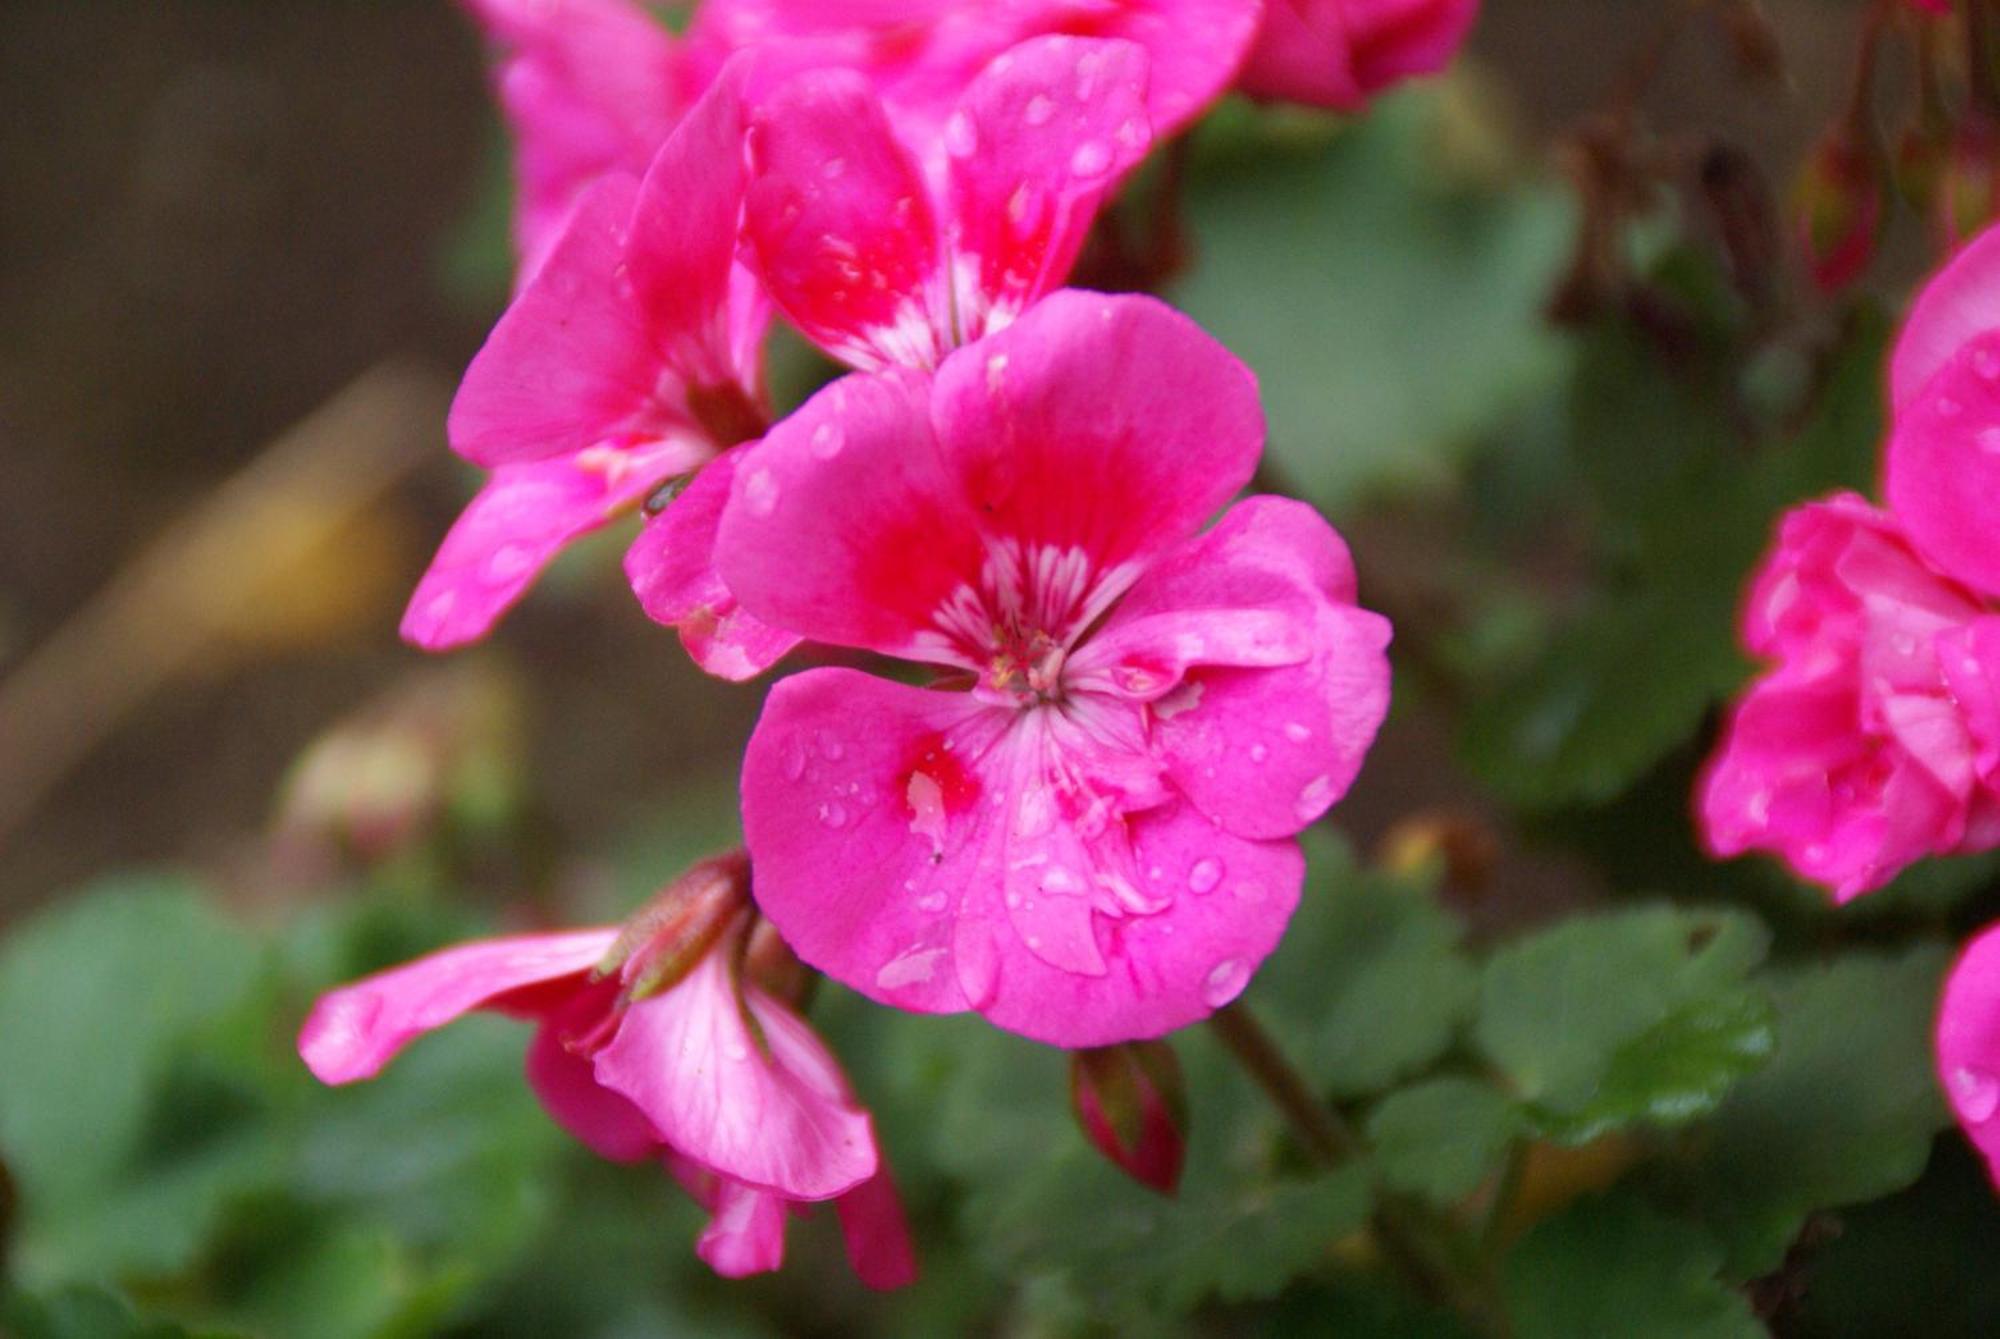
(1874, 741)
(1080, 820)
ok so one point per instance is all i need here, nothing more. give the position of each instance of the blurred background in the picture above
(246, 248)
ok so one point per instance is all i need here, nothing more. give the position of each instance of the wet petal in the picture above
(1944, 464)
(606, 1123)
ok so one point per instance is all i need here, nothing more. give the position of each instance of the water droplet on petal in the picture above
(509, 561)
(760, 491)
(832, 168)
(831, 748)
(827, 440)
(961, 137)
(1258, 753)
(1250, 892)
(737, 1051)
(1040, 108)
(1091, 159)
(1976, 1094)
(1947, 407)
(1225, 982)
(1207, 872)
(1059, 880)
(1986, 365)
(931, 901)
(911, 967)
(794, 760)
(1313, 798)
(833, 814)
(1297, 731)
(1989, 441)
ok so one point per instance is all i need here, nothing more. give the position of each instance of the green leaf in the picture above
(1379, 358)
(1441, 1138)
(1616, 1266)
(1844, 1112)
(1370, 984)
(83, 1313)
(1629, 1016)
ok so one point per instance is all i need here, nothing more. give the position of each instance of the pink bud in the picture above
(1132, 1104)
(669, 935)
(1968, 182)
(1838, 202)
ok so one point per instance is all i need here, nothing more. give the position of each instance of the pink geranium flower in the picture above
(711, 1075)
(1084, 831)
(1854, 757)
(630, 359)
(1968, 1044)
(889, 248)
(1340, 53)
(589, 87)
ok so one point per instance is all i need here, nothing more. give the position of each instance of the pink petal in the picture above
(904, 847)
(1195, 47)
(1944, 463)
(840, 227)
(682, 246)
(1969, 657)
(1110, 425)
(876, 1233)
(1968, 1044)
(590, 87)
(845, 525)
(672, 570)
(773, 1111)
(746, 1234)
(1262, 747)
(606, 1123)
(571, 364)
(517, 523)
(1960, 303)
(355, 1030)
(1337, 53)
(1041, 137)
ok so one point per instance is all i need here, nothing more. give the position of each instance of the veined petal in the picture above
(746, 1231)
(671, 566)
(1960, 303)
(571, 363)
(769, 1108)
(1041, 137)
(355, 1030)
(518, 522)
(1944, 463)
(839, 225)
(605, 1122)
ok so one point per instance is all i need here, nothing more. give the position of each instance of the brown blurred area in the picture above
(217, 214)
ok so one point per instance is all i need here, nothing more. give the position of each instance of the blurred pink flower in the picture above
(716, 1078)
(1085, 833)
(1968, 1044)
(633, 357)
(1340, 53)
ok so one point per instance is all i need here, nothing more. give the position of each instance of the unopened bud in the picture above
(1839, 204)
(664, 940)
(769, 961)
(1968, 183)
(1132, 1103)
(1733, 189)
(1463, 846)
(1759, 54)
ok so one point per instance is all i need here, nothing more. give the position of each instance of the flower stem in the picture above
(1421, 1246)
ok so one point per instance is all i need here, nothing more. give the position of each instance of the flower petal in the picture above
(1944, 464)
(1969, 657)
(746, 1231)
(671, 566)
(517, 523)
(1041, 137)
(355, 1030)
(876, 1233)
(840, 227)
(1960, 303)
(1968, 1044)
(606, 1123)
(773, 1111)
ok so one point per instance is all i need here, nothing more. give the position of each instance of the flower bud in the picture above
(1132, 1104)
(1838, 202)
(1968, 182)
(769, 961)
(665, 939)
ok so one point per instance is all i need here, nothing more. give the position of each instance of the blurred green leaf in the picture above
(1630, 1016)
(84, 1313)
(1616, 1266)
(1370, 983)
(1391, 314)
(1844, 1112)
(1442, 1137)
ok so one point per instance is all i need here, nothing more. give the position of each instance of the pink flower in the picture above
(1084, 831)
(1968, 1044)
(1340, 53)
(1855, 756)
(631, 358)
(918, 55)
(716, 1078)
(590, 87)
(889, 250)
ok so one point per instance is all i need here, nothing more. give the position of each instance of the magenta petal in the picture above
(840, 227)
(1301, 55)
(844, 525)
(571, 363)
(1960, 303)
(772, 1111)
(1968, 1044)
(746, 1232)
(1264, 751)
(606, 1123)
(1114, 426)
(1944, 464)
(1041, 137)
(1969, 657)
(876, 1233)
(671, 566)
(517, 523)
(1195, 48)
(355, 1030)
